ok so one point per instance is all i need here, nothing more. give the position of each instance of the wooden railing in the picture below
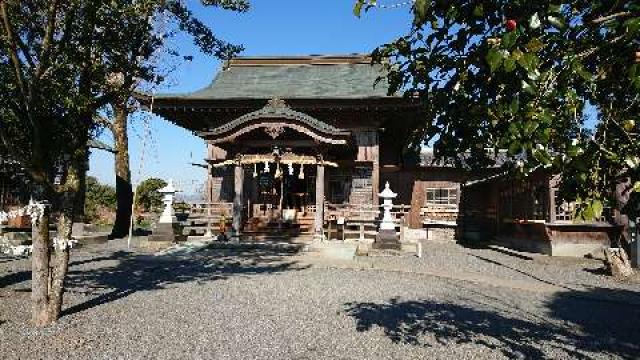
(364, 212)
(212, 209)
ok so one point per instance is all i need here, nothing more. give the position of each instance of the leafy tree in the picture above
(556, 83)
(148, 197)
(98, 196)
(61, 64)
(48, 94)
(143, 56)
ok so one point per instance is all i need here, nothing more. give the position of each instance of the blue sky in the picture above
(271, 27)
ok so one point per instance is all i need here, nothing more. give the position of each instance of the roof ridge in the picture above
(299, 60)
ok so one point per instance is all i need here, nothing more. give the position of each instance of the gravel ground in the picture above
(265, 304)
(449, 258)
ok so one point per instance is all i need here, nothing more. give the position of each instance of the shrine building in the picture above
(310, 142)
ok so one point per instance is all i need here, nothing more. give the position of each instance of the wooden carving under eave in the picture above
(274, 130)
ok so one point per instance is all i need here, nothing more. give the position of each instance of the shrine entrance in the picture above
(280, 190)
(291, 191)
(279, 157)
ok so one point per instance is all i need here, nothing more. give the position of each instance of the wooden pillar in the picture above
(238, 182)
(318, 222)
(375, 182)
(375, 167)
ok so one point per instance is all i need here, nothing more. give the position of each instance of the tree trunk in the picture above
(70, 198)
(124, 193)
(61, 265)
(40, 271)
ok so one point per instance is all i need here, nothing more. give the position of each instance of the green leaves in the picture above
(534, 45)
(553, 79)
(421, 10)
(494, 59)
(357, 9)
(528, 61)
(478, 10)
(589, 210)
(509, 39)
(363, 4)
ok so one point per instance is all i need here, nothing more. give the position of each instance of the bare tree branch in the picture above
(606, 18)
(48, 39)
(13, 49)
(103, 121)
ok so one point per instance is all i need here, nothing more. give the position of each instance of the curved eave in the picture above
(186, 112)
(186, 101)
(277, 116)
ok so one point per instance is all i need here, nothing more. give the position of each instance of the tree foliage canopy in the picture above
(148, 196)
(98, 197)
(555, 84)
(63, 61)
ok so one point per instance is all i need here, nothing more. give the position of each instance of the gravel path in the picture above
(264, 304)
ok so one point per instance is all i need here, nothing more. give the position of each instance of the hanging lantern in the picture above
(301, 175)
(290, 169)
(266, 167)
(255, 170)
(278, 172)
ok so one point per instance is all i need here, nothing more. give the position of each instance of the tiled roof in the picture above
(428, 159)
(313, 77)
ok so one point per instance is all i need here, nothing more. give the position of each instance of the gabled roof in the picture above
(308, 77)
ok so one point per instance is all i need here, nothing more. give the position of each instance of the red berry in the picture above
(511, 24)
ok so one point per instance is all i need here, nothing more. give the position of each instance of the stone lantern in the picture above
(168, 229)
(387, 237)
(168, 195)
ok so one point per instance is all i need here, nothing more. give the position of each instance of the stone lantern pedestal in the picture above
(387, 238)
(167, 229)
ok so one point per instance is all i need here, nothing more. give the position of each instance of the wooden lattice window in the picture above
(441, 197)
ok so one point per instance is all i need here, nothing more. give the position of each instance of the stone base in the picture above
(387, 240)
(167, 232)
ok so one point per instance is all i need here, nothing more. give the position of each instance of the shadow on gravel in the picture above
(115, 256)
(22, 276)
(598, 321)
(136, 273)
(6, 260)
(14, 278)
(534, 277)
